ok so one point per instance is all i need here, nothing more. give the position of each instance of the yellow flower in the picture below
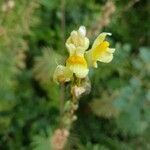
(79, 59)
(76, 44)
(62, 74)
(100, 51)
(78, 65)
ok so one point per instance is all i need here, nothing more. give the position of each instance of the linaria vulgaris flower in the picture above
(79, 59)
(76, 44)
(100, 51)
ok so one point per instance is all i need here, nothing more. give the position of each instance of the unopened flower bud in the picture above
(77, 91)
(75, 106)
(62, 74)
(59, 139)
(74, 118)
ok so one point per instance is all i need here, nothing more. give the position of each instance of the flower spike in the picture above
(79, 59)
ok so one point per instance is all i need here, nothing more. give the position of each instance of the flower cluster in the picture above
(80, 59)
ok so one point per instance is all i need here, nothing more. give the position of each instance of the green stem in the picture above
(62, 99)
(69, 115)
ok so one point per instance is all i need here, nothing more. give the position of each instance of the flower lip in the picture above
(99, 50)
(75, 59)
(78, 65)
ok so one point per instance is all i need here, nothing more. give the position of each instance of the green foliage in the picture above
(115, 115)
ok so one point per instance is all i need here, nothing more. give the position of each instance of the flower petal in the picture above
(77, 43)
(111, 50)
(82, 31)
(81, 49)
(62, 74)
(88, 57)
(79, 70)
(71, 48)
(100, 39)
(78, 65)
(106, 57)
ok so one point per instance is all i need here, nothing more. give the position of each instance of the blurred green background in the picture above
(115, 115)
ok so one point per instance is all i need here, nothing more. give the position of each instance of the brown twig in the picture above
(105, 18)
(106, 15)
(130, 4)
